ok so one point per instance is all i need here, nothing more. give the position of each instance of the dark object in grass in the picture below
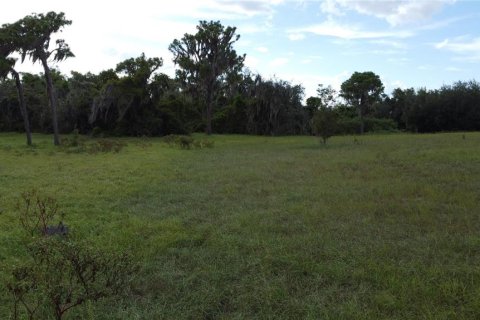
(61, 229)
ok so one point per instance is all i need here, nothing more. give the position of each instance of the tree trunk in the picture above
(208, 128)
(362, 124)
(52, 99)
(361, 112)
(23, 107)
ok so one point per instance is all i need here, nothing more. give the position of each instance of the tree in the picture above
(274, 107)
(34, 32)
(206, 60)
(327, 96)
(124, 105)
(8, 46)
(361, 91)
(325, 123)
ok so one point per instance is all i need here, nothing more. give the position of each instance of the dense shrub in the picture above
(352, 125)
(325, 123)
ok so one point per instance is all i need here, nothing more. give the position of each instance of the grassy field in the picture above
(382, 227)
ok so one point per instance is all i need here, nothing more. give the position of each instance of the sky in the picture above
(408, 43)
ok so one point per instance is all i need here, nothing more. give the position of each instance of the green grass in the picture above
(269, 228)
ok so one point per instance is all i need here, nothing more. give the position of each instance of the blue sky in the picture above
(407, 43)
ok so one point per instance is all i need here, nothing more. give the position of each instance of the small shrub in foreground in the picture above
(61, 272)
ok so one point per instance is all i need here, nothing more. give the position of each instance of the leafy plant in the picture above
(187, 142)
(106, 145)
(60, 272)
(325, 123)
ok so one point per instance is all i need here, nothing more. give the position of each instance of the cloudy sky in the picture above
(409, 43)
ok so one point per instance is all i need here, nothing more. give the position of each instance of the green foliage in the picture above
(184, 142)
(8, 44)
(78, 144)
(348, 125)
(31, 37)
(276, 108)
(361, 90)
(106, 145)
(450, 108)
(33, 33)
(97, 132)
(140, 101)
(207, 63)
(325, 123)
(187, 142)
(380, 125)
(60, 272)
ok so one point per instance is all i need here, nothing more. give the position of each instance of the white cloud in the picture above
(252, 62)
(296, 36)
(394, 12)
(397, 84)
(333, 29)
(310, 82)
(425, 67)
(389, 43)
(467, 48)
(278, 62)
(331, 7)
(460, 46)
(103, 34)
(262, 49)
(249, 8)
(401, 60)
(453, 69)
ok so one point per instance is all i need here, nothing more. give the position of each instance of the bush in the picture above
(106, 145)
(61, 272)
(349, 126)
(380, 125)
(97, 132)
(170, 139)
(352, 125)
(324, 123)
(187, 142)
(78, 145)
(184, 142)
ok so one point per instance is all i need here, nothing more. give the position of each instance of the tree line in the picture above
(212, 91)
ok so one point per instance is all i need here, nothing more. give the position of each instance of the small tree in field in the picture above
(325, 123)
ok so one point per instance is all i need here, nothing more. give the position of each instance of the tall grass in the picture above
(382, 226)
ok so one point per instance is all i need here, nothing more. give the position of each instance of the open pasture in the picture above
(377, 227)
